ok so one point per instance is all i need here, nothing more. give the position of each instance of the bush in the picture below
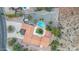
(11, 15)
(14, 15)
(11, 28)
(49, 28)
(18, 14)
(12, 41)
(30, 17)
(56, 32)
(39, 8)
(54, 45)
(44, 8)
(50, 22)
(48, 9)
(39, 31)
(41, 19)
(25, 49)
(17, 47)
(2, 13)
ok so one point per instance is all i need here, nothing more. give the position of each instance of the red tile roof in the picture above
(30, 38)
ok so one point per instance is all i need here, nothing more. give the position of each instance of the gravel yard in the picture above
(69, 20)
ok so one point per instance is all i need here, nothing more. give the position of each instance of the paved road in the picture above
(3, 33)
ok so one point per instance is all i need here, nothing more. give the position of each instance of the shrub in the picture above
(16, 14)
(39, 8)
(11, 15)
(30, 17)
(50, 22)
(11, 28)
(12, 41)
(25, 49)
(41, 19)
(48, 9)
(54, 45)
(17, 47)
(40, 31)
(56, 32)
(48, 27)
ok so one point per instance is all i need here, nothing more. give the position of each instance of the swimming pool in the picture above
(41, 24)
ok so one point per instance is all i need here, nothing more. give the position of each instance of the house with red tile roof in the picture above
(29, 34)
(32, 39)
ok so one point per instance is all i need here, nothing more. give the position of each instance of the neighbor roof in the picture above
(30, 38)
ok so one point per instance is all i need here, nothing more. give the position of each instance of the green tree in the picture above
(49, 28)
(1, 13)
(30, 17)
(39, 8)
(39, 31)
(12, 41)
(41, 19)
(50, 22)
(11, 28)
(56, 31)
(54, 45)
(17, 47)
(48, 9)
(10, 15)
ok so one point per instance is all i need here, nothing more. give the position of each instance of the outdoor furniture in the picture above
(25, 20)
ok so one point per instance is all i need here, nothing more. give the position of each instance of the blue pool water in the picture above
(41, 24)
